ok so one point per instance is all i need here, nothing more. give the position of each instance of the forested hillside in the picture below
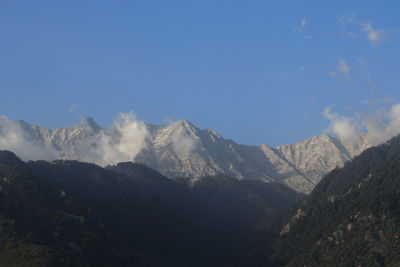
(68, 213)
(352, 218)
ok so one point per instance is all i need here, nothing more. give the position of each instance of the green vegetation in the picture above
(68, 213)
(352, 218)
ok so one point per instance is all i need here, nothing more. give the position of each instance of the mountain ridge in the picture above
(182, 149)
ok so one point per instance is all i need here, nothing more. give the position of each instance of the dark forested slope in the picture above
(68, 213)
(352, 218)
(42, 227)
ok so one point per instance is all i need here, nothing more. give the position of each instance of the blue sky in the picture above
(255, 71)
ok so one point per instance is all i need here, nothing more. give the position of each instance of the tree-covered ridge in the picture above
(41, 227)
(352, 218)
(69, 213)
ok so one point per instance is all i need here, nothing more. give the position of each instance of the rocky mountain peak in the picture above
(181, 149)
(184, 125)
(90, 123)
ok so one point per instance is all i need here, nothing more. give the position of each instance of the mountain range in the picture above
(71, 213)
(180, 149)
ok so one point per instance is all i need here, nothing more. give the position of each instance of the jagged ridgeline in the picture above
(68, 213)
(352, 218)
(180, 149)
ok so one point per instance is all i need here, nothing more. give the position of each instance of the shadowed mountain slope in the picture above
(68, 213)
(352, 218)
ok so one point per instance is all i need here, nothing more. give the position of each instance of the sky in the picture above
(257, 72)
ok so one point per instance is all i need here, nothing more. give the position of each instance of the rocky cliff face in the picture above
(181, 149)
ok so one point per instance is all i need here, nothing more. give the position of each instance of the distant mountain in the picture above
(181, 149)
(352, 218)
(69, 213)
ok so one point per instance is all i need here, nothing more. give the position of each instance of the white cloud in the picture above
(343, 68)
(123, 141)
(302, 25)
(15, 139)
(384, 125)
(73, 108)
(376, 128)
(182, 140)
(345, 128)
(373, 35)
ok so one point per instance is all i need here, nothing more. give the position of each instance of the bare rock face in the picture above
(180, 149)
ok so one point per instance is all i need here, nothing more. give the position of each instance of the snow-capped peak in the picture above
(181, 149)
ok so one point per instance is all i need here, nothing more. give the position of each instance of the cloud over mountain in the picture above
(375, 128)
(14, 138)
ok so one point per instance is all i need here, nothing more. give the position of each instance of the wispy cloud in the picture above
(331, 73)
(13, 137)
(73, 108)
(183, 141)
(375, 128)
(302, 25)
(345, 128)
(343, 68)
(374, 35)
(122, 141)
